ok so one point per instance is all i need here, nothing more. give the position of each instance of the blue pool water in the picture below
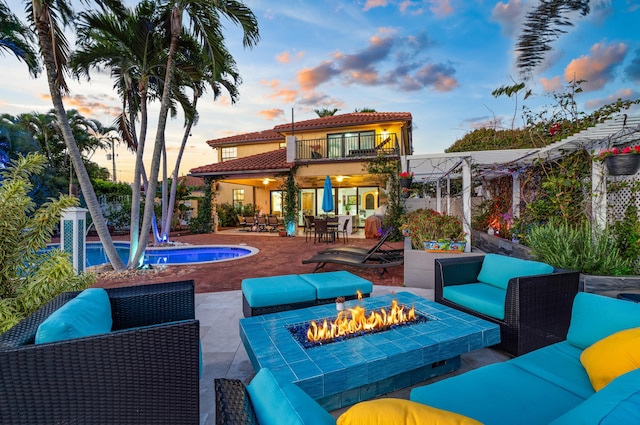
(174, 255)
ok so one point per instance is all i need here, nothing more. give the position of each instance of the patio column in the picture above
(72, 236)
(449, 195)
(599, 195)
(515, 194)
(438, 196)
(466, 202)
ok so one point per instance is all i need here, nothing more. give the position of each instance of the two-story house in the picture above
(251, 167)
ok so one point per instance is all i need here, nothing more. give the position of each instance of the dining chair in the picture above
(320, 233)
(344, 231)
(308, 229)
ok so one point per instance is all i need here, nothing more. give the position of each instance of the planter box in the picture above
(609, 285)
(419, 266)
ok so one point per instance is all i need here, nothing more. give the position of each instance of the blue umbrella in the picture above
(327, 199)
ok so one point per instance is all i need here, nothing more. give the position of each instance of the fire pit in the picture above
(353, 369)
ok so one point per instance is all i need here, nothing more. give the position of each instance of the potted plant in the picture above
(433, 231)
(620, 162)
(406, 178)
(340, 303)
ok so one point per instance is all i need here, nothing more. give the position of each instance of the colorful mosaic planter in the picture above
(451, 247)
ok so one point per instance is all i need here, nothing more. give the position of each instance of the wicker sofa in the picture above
(533, 309)
(144, 371)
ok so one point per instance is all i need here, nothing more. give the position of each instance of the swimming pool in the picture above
(171, 255)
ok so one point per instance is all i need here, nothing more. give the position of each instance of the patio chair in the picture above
(537, 308)
(251, 223)
(145, 371)
(321, 231)
(308, 229)
(242, 222)
(343, 231)
(272, 223)
(261, 223)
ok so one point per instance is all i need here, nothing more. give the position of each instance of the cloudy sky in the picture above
(437, 59)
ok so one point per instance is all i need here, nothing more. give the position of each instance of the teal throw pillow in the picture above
(87, 314)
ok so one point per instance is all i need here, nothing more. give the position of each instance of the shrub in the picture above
(577, 247)
(29, 278)
(429, 225)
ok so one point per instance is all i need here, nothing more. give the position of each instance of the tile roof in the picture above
(257, 136)
(266, 162)
(353, 118)
(192, 181)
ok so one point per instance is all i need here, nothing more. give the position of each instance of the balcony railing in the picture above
(357, 146)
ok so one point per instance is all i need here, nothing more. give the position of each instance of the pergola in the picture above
(441, 168)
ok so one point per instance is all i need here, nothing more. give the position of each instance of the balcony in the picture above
(346, 147)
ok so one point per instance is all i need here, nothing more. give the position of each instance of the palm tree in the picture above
(204, 23)
(46, 16)
(202, 73)
(543, 25)
(324, 112)
(17, 39)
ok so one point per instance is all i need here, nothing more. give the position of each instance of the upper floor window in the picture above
(341, 144)
(229, 153)
(282, 145)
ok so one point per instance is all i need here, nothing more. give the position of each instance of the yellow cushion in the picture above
(611, 357)
(392, 411)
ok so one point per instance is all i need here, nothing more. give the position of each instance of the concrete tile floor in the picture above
(224, 355)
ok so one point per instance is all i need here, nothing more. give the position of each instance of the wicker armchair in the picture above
(537, 308)
(145, 371)
(233, 405)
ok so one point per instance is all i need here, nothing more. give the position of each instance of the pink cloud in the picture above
(283, 57)
(310, 78)
(597, 67)
(440, 8)
(551, 84)
(509, 16)
(271, 114)
(371, 4)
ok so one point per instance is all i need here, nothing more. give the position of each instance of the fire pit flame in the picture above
(355, 319)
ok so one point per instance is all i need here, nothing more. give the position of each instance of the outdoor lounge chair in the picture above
(376, 261)
(144, 371)
(377, 250)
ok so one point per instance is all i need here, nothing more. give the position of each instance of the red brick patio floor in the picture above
(277, 256)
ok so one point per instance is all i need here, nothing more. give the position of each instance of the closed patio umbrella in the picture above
(327, 198)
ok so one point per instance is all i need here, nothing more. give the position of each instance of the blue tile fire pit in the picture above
(342, 373)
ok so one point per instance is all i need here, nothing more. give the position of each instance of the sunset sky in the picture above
(437, 59)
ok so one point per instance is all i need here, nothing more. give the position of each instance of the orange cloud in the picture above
(310, 78)
(551, 84)
(597, 67)
(370, 4)
(271, 114)
(283, 57)
(287, 95)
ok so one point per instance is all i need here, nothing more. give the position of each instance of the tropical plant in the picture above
(46, 18)
(388, 171)
(17, 39)
(29, 277)
(290, 202)
(578, 247)
(325, 112)
(203, 23)
(543, 24)
(428, 225)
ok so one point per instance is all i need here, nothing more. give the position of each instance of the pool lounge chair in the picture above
(376, 261)
(376, 251)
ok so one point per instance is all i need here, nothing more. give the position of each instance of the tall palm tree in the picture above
(46, 16)
(17, 39)
(325, 112)
(543, 24)
(203, 18)
(202, 73)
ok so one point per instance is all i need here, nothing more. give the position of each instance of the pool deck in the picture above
(224, 355)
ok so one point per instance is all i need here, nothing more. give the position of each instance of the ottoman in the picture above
(330, 285)
(262, 295)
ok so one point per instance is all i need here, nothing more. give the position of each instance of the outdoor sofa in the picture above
(530, 300)
(552, 385)
(142, 366)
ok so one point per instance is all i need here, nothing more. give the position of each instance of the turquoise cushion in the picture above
(276, 290)
(337, 284)
(283, 405)
(617, 403)
(558, 363)
(498, 269)
(498, 394)
(480, 297)
(594, 317)
(87, 314)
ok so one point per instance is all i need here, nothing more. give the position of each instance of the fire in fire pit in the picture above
(354, 322)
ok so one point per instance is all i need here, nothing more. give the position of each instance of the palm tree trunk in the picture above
(134, 257)
(46, 46)
(174, 176)
(176, 26)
